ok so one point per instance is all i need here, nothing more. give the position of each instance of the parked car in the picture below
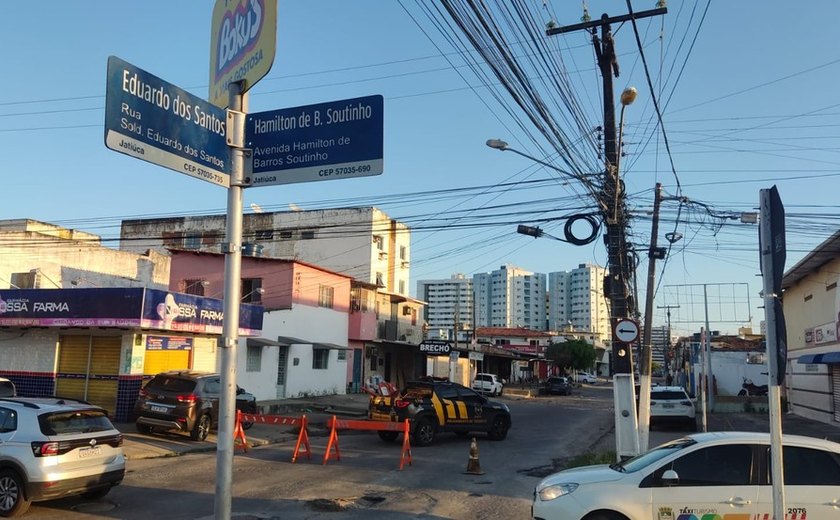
(708, 475)
(52, 448)
(435, 406)
(585, 377)
(671, 404)
(7, 388)
(187, 401)
(558, 385)
(488, 384)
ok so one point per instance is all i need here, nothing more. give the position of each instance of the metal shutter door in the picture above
(158, 361)
(88, 369)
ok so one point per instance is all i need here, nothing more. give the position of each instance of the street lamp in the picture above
(500, 145)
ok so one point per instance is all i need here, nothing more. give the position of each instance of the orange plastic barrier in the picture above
(239, 434)
(336, 424)
(280, 420)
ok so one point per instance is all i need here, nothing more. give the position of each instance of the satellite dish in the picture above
(256, 207)
(294, 207)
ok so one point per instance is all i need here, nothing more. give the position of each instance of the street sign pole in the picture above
(230, 331)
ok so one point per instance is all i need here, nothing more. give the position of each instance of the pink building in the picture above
(303, 348)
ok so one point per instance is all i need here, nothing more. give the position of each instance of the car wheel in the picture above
(201, 429)
(424, 432)
(12, 498)
(143, 428)
(96, 494)
(388, 436)
(498, 429)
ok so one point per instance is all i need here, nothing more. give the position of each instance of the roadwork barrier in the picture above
(336, 424)
(278, 420)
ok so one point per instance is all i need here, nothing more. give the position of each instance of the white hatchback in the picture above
(721, 475)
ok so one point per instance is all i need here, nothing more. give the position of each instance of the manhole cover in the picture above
(94, 507)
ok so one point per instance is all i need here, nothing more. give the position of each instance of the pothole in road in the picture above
(544, 471)
(94, 507)
(343, 504)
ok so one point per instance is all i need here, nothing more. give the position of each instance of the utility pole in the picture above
(646, 352)
(668, 315)
(612, 205)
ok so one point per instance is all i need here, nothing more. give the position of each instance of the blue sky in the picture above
(755, 104)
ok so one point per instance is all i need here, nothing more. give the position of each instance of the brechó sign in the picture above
(243, 39)
(435, 347)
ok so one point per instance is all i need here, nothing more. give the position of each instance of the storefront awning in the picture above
(262, 342)
(826, 358)
(328, 346)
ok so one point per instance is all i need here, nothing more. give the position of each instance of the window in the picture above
(253, 362)
(380, 280)
(25, 280)
(194, 286)
(403, 255)
(380, 243)
(264, 234)
(808, 467)
(192, 241)
(252, 290)
(402, 287)
(728, 465)
(286, 234)
(320, 357)
(342, 355)
(325, 296)
(8, 420)
(307, 234)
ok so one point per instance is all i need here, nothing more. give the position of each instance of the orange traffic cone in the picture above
(473, 465)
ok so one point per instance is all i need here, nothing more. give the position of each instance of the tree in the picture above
(576, 354)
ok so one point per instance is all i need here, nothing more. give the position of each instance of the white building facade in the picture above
(510, 297)
(576, 298)
(364, 243)
(449, 303)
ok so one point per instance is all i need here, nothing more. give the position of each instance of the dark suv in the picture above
(440, 406)
(558, 385)
(187, 401)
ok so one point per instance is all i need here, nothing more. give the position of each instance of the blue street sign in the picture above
(336, 140)
(151, 119)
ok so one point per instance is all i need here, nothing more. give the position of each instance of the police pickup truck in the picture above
(435, 406)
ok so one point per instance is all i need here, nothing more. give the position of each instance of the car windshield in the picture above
(646, 459)
(77, 421)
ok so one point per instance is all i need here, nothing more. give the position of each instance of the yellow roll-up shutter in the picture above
(158, 361)
(96, 384)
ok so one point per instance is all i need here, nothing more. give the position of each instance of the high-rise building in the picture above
(576, 301)
(510, 297)
(449, 304)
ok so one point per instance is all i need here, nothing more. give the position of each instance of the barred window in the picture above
(326, 294)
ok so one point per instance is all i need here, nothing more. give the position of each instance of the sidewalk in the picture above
(318, 409)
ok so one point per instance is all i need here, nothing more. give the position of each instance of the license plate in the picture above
(158, 409)
(667, 405)
(90, 452)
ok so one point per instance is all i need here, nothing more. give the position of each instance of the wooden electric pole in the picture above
(612, 205)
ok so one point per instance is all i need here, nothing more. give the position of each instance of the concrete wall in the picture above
(811, 315)
(730, 369)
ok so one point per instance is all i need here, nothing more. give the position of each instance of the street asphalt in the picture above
(319, 409)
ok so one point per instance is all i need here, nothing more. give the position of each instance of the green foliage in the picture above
(592, 457)
(576, 354)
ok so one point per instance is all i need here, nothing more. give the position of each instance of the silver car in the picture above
(52, 448)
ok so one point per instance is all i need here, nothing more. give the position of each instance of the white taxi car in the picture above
(718, 475)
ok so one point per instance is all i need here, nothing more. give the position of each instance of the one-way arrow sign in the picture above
(627, 331)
